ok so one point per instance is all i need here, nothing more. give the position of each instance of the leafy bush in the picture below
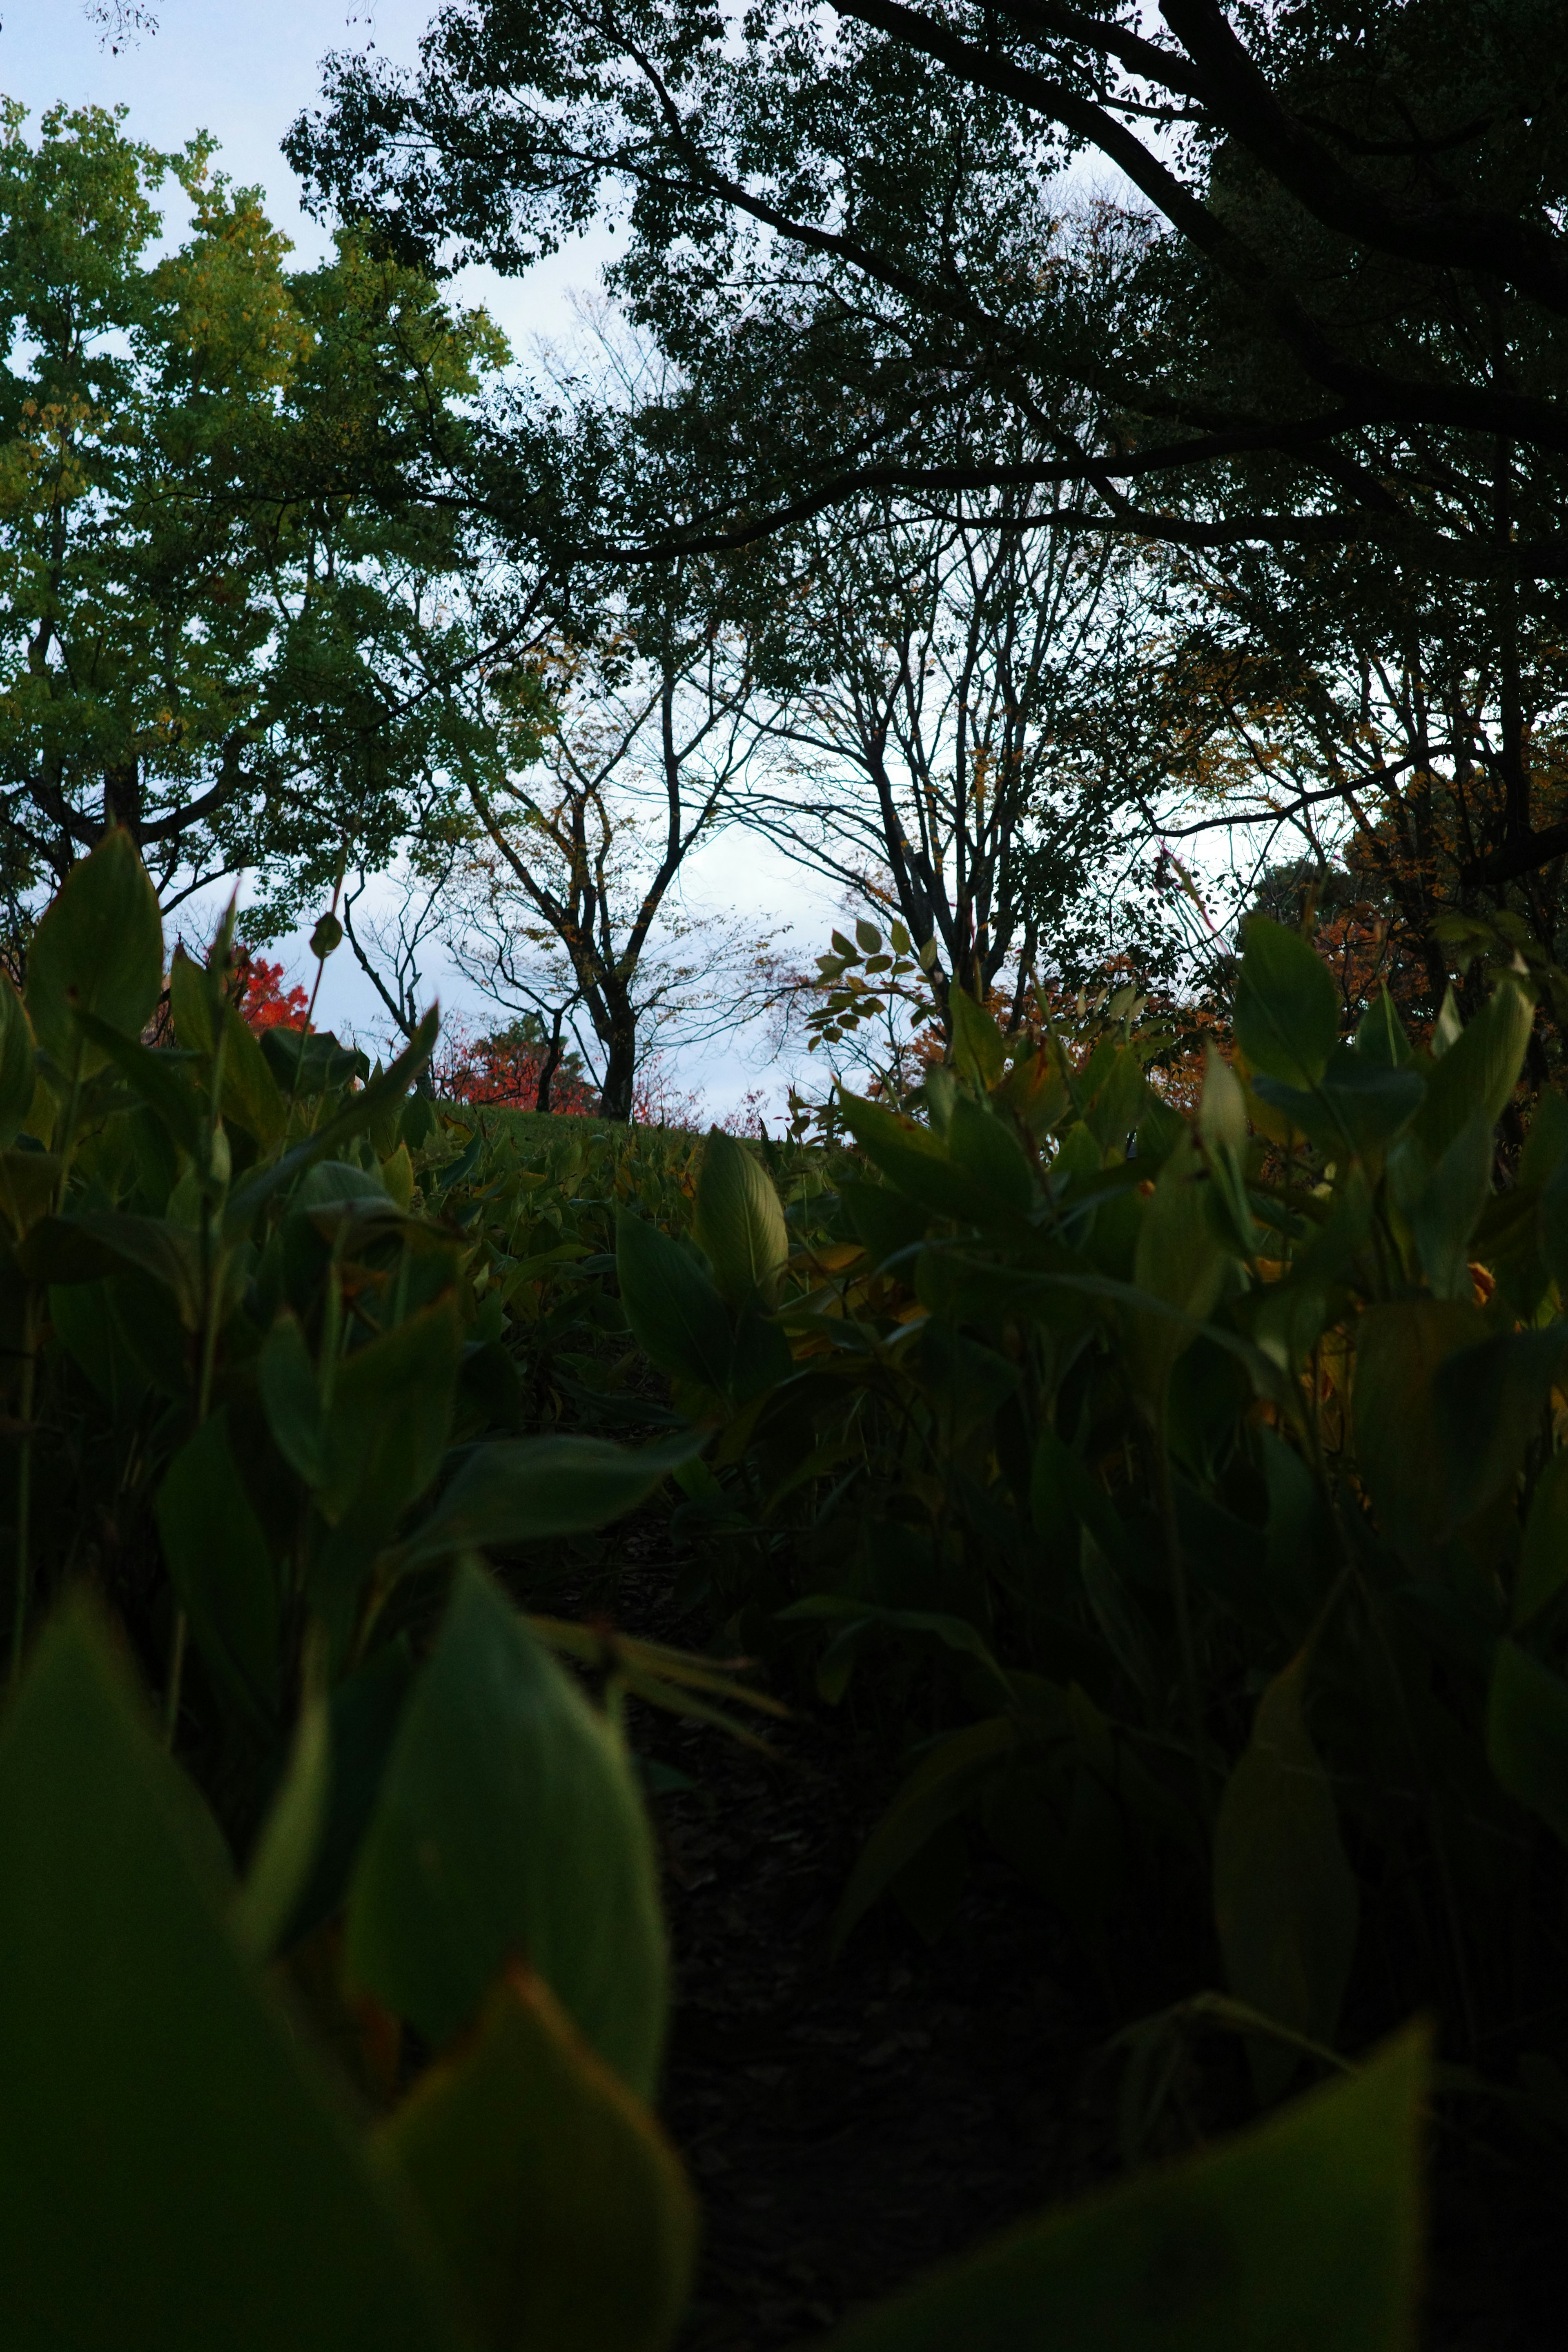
(1188, 1499)
(341, 2022)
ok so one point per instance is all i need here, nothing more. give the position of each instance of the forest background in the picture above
(1054, 736)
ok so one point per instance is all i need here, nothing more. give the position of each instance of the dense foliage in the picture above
(221, 618)
(1187, 1495)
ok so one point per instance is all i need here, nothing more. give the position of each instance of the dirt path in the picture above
(848, 2121)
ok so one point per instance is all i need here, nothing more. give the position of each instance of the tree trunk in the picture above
(548, 1068)
(620, 1069)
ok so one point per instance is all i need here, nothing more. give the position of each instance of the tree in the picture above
(222, 557)
(1382, 740)
(570, 903)
(841, 227)
(925, 674)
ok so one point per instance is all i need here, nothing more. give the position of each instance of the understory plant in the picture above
(333, 1980)
(1188, 1499)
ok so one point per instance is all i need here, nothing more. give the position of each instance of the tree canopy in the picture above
(1341, 267)
(222, 622)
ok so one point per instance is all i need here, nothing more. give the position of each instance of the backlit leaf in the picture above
(171, 2171)
(1285, 1897)
(1302, 2235)
(510, 1827)
(560, 2206)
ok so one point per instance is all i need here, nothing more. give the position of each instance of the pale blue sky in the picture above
(243, 69)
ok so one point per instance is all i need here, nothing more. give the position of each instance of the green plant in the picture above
(1185, 1498)
(183, 2161)
(341, 2024)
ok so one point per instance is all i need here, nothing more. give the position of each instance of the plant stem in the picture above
(1181, 1600)
(176, 1676)
(25, 1491)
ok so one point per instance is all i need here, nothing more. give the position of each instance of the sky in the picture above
(243, 69)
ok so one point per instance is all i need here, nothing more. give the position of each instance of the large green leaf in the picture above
(221, 1567)
(292, 1398)
(521, 1489)
(98, 948)
(1285, 1896)
(1443, 1201)
(739, 1220)
(1476, 1076)
(311, 1063)
(251, 1095)
(1527, 1732)
(1401, 1440)
(1544, 1564)
(1300, 2236)
(944, 1785)
(562, 2208)
(170, 2172)
(386, 1428)
(981, 1143)
(1356, 1106)
(1178, 1260)
(915, 1160)
(673, 1308)
(18, 1070)
(1287, 1006)
(979, 1049)
(509, 1826)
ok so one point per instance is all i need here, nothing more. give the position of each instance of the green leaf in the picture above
(1527, 1733)
(1477, 1076)
(221, 1567)
(1448, 1028)
(292, 1398)
(675, 1312)
(510, 1825)
(1488, 1401)
(389, 1420)
(1380, 1033)
(1401, 1443)
(1544, 1568)
(18, 1067)
(954, 1632)
(98, 948)
(914, 1159)
(218, 2185)
(1285, 1897)
(1179, 1261)
(870, 936)
(162, 1078)
(1300, 2235)
(885, 1223)
(170, 1252)
(1358, 1107)
(250, 1097)
(1444, 1203)
(979, 1049)
(1287, 1006)
(946, 1783)
(739, 1221)
(285, 1857)
(1222, 1110)
(364, 1713)
(523, 1489)
(560, 2208)
(361, 1110)
(984, 1146)
(311, 1063)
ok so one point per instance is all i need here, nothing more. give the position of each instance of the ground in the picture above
(851, 2119)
